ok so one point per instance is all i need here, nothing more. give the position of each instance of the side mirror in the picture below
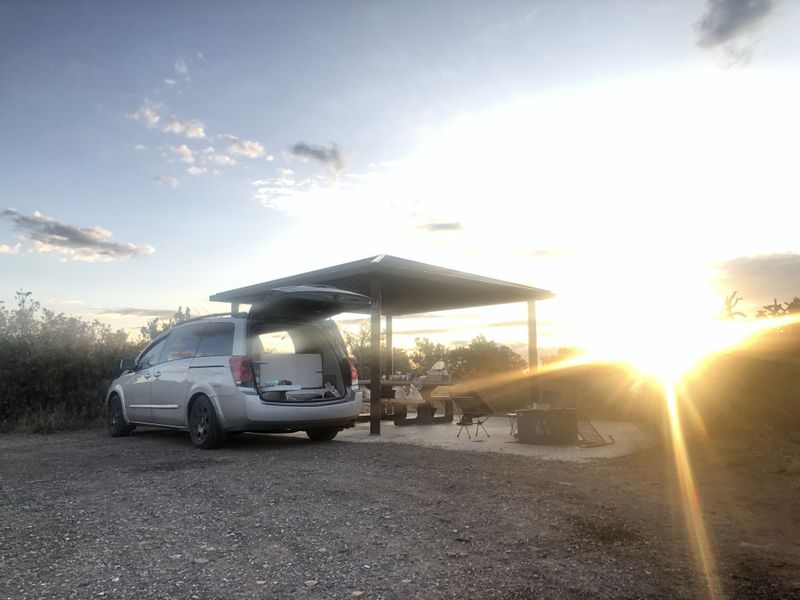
(127, 364)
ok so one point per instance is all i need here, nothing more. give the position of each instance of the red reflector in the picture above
(242, 370)
(353, 373)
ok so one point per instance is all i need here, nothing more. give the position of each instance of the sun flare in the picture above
(667, 349)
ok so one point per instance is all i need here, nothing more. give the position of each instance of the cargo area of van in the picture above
(296, 365)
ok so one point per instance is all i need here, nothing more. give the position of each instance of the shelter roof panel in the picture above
(407, 286)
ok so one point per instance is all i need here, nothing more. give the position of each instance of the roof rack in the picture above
(221, 314)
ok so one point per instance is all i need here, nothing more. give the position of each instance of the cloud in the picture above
(183, 151)
(169, 182)
(248, 148)
(140, 147)
(181, 69)
(196, 170)
(6, 249)
(331, 158)
(270, 158)
(62, 301)
(762, 277)
(211, 156)
(170, 82)
(128, 311)
(727, 23)
(147, 113)
(451, 226)
(92, 244)
(190, 128)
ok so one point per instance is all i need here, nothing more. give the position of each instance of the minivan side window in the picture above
(150, 356)
(217, 340)
(183, 342)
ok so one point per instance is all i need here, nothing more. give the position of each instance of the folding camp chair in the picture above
(474, 411)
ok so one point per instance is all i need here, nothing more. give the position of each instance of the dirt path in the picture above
(87, 516)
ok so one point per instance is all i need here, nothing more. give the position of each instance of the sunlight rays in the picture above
(668, 352)
(690, 500)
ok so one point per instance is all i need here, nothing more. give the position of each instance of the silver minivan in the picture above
(280, 368)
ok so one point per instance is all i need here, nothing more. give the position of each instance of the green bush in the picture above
(54, 368)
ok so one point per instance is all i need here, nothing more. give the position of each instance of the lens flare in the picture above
(690, 500)
(668, 352)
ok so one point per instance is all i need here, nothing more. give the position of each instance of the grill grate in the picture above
(588, 435)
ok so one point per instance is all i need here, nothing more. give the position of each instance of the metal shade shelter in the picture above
(402, 287)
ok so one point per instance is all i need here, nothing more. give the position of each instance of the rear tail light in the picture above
(353, 374)
(242, 371)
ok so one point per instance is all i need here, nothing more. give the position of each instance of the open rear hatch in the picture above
(313, 368)
(305, 303)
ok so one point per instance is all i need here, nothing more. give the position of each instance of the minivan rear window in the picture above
(217, 340)
(277, 342)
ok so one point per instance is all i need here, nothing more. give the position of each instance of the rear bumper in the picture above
(264, 416)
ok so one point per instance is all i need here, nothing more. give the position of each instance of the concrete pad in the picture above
(628, 438)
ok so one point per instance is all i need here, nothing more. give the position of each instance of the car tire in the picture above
(322, 434)
(204, 426)
(115, 419)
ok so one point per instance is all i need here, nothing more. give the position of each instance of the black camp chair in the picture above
(474, 411)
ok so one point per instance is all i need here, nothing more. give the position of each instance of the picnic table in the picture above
(425, 408)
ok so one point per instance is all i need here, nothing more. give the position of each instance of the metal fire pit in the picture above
(548, 426)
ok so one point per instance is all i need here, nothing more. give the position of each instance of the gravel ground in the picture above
(88, 516)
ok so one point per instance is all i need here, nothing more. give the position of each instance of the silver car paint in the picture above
(237, 408)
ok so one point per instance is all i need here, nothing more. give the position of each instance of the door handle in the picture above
(157, 374)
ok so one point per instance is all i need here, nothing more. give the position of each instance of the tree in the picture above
(728, 312)
(55, 368)
(359, 345)
(793, 307)
(482, 358)
(426, 354)
(153, 328)
(771, 310)
(561, 355)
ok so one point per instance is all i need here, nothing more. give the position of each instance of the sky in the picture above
(634, 157)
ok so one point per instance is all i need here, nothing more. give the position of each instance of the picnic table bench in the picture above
(425, 408)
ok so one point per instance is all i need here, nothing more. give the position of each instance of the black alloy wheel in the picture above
(203, 424)
(115, 419)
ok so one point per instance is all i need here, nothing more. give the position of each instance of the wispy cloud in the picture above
(147, 113)
(450, 226)
(128, 311)
(183, 151)
(190, 128)
(211, 156)
(139, 147)
(170, 82)
(330, 158)
(282, 186)
(182, 69)
(196, 170)
(248, 148)
(6, 249)
(169, 182)
(726, 23)
(90, 244)
(60, 301)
